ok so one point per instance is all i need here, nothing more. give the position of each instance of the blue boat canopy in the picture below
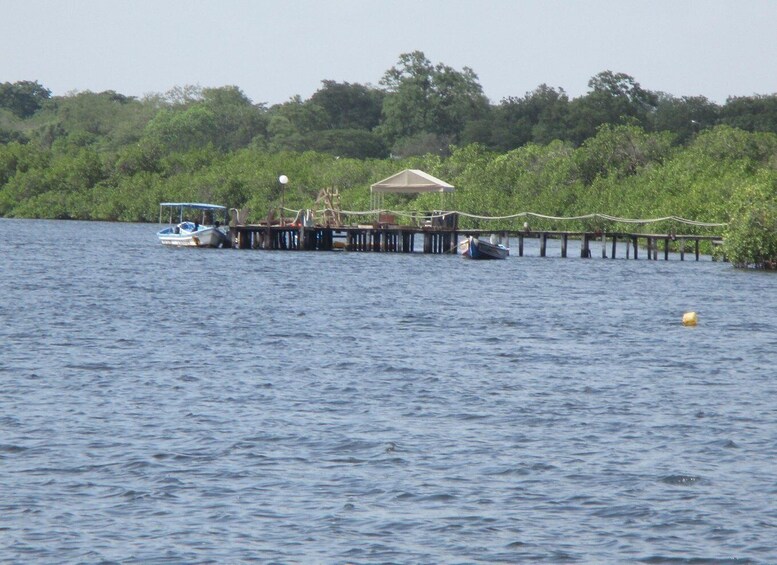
(187, 207)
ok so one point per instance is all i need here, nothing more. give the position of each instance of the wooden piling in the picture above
(585, 248)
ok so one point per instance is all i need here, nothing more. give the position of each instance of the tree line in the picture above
(418, 108)
(619, 149)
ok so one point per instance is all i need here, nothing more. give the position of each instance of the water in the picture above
(220, 406)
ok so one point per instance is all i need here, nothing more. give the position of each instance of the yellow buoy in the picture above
(689, 319)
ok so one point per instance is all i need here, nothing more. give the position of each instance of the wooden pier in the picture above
(436, 240)
(589, 240)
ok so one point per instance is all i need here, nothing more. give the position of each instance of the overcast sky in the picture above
(275, 49)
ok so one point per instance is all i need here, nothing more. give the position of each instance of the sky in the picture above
(276, 49)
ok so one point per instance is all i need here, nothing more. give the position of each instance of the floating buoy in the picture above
(689, 319)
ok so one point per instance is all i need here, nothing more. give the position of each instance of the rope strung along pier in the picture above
(442, 214)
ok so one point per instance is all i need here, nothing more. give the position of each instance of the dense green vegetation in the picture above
(620, 150)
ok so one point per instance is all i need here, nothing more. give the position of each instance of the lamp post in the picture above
(284, 180)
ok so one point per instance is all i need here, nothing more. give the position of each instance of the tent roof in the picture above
(411, 181)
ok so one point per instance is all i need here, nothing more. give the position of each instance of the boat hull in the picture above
(474, 248)
(203, 237)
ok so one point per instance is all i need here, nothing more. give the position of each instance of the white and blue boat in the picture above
(475, 248)
(193, 224)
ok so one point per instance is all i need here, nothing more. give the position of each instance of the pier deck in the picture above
(402, 239)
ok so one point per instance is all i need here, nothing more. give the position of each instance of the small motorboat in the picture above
(475, 248)
(188, 233)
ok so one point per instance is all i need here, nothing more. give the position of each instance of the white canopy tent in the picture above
(409, 181)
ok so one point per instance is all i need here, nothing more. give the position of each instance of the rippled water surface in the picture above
(171, 405)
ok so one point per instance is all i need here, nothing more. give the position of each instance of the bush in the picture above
(751, 236)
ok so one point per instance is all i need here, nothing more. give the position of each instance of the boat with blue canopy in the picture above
(193, 224)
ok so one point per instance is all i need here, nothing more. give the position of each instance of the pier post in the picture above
(585, 250)
(543, 244)
(614, 240)
(330, 238)
(564, 242)
(520, 245)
